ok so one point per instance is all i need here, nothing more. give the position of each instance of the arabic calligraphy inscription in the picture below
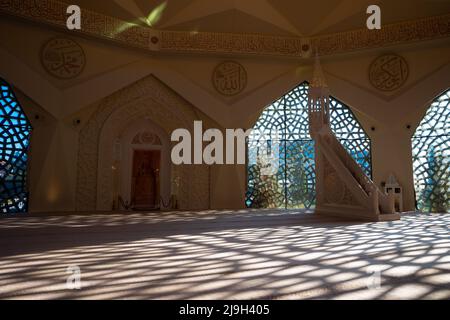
(63, 58)
(388, 72)
(230, 78)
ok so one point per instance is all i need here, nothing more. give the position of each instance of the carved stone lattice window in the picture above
(285, 125)
(15, 130)
(431, 157)
(351, 134)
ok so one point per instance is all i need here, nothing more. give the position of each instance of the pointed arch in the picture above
(284, 126)
(431, 157)
(147, 98)
(15, 132)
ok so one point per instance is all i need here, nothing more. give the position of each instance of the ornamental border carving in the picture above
(53, 12)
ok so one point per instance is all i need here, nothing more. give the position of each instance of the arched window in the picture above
(285, 125)
(431, 157)
(15, 130)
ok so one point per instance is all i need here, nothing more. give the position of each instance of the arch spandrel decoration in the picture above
(431, 157)
(150, 98)
(293, 185)
(15, 132)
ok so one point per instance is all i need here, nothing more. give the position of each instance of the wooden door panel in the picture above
(145, 179)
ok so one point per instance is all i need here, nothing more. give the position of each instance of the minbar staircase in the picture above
(342, 187)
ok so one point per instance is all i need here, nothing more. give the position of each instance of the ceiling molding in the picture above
(53, 13)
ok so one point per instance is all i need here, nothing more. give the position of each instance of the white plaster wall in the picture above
(110, 68)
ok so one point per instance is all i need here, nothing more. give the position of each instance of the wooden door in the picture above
(145, 179)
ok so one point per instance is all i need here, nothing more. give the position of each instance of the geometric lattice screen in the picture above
(15, 130)
(431, 157)
(283, 131)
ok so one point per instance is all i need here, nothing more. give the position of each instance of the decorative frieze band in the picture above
(53, 13)
(208, 42)
(404, 32)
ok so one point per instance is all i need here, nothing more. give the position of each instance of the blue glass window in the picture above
(15, 131)
(431, 157)
(285, 124)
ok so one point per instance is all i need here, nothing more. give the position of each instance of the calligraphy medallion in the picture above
(229, 78)
(388, 72)
(63, 58)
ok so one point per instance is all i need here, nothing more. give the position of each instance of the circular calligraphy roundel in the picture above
(63, 58)
(229, 78)
(388, 72)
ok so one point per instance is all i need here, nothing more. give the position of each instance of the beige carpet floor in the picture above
(223, 255)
